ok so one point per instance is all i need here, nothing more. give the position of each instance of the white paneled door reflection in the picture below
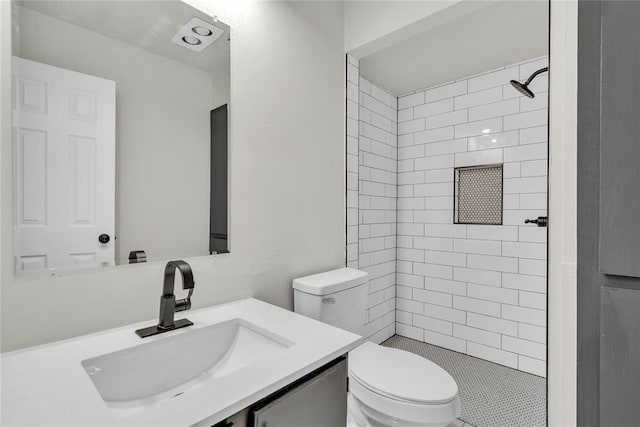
(64, 168)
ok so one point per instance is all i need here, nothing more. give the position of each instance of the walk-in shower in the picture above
(523, 88)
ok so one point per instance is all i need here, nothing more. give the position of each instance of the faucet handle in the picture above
(184, 304)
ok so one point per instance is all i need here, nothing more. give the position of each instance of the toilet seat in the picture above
(401, 385)
(401, 375)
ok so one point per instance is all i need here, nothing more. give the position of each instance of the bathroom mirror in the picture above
(120, 113)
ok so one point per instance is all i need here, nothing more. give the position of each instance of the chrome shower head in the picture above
(523, 88)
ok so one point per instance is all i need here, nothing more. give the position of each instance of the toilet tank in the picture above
(337, 297)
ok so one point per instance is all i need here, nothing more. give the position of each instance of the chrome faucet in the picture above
(168, 303)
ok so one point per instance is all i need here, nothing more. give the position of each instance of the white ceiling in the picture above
(501, 33)
(146, 24)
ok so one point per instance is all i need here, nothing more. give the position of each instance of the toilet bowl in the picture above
(387, 386)
(391, 387)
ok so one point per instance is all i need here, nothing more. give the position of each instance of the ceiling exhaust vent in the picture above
(197, 35)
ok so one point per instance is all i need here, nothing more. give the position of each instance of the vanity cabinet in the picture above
(318, 399)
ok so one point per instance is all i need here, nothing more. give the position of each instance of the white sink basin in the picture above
(196, 376)
(168, 366)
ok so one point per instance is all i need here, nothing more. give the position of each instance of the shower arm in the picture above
(533, 76)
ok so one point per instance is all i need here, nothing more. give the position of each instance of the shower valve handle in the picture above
(541, 221)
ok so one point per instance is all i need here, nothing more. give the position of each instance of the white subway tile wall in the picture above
(476, 289)
(377, 203)
(353, 107)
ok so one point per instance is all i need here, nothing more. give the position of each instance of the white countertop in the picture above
(47, 385)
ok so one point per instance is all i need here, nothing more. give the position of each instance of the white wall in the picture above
(162, 133)
(476, 289)
(377, 174)
(563, 147)
(286, 185)
(368, 21)
(353, 162)
(371, 196)
(461, 46)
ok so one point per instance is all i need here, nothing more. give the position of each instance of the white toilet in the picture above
(387, 387)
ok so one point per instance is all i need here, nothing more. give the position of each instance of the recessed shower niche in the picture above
(477, 195)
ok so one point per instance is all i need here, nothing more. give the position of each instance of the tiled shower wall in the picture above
(377, 204)
(374, 197)
(476, 289)
(353, 94)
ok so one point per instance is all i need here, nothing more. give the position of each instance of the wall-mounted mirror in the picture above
(119, 133)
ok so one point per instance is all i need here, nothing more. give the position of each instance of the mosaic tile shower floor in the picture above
(492, 395)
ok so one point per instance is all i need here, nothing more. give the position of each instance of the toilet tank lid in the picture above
(330, 282)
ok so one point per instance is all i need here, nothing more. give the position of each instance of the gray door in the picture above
(609, 213)
(218, 238)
